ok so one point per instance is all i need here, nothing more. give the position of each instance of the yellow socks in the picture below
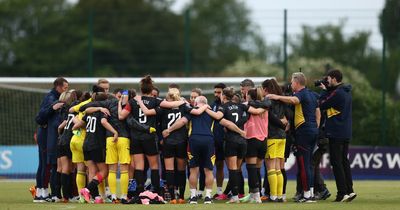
(80, 180)
(124, 181)
(273, 182)
(279, 183)
(112, 182)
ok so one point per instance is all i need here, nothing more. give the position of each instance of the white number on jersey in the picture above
(91, 124)
(69, 121)
(172, 117)
(236, 115)
(142, 116)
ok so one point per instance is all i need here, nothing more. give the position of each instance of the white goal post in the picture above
(132, 80)
(43, 84)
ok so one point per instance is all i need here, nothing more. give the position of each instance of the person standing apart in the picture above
(47, 135)
(336, 100)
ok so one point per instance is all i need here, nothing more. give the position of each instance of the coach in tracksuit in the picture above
(306, 119)
(47, 135)
(337, 102)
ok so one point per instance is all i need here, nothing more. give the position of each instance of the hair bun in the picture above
(147, 80)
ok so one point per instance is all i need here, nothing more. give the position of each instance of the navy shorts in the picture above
(201, 151)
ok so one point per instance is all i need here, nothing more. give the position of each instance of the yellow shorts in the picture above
(118, 151)
(76, 146)
(276, 148)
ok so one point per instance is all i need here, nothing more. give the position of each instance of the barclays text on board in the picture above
(366, 162)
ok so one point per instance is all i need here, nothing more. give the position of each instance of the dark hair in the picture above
(286, 89)
(97, 88)
(117, 90)
(252, 93)
(197, 90)
(146, 85)
(101, 96)
(247, 83)
(220, 85)
(272, 86)
(238, 97)
(335, 73)
(174, 85)
(156, 89)
(59, 82)
(131, 93)
(78, 94)
(85, 96)
(228, 92)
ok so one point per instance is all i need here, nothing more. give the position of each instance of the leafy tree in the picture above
(30, 44)
(221, 33)
(329, 41)
(389, 22)
(131, 38)
(366, 99)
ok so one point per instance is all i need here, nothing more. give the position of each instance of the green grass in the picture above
(372, 195)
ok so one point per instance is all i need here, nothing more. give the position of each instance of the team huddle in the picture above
(99, 135)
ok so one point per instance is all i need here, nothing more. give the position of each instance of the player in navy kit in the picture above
(219, 144)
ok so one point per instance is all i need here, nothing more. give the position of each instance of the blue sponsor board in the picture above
(18, 161)
(366, 163)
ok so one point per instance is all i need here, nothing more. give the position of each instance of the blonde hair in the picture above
(68, 97)
(102, 81)
(300, 78)
(260, 93)
(174, 94)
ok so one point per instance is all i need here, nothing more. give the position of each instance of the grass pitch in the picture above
(372, 195)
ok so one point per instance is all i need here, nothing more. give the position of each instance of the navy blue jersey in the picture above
(304, 115)
(338, 103)
(49, 117)
(202, 125)
(46, 107)
(218, 129)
